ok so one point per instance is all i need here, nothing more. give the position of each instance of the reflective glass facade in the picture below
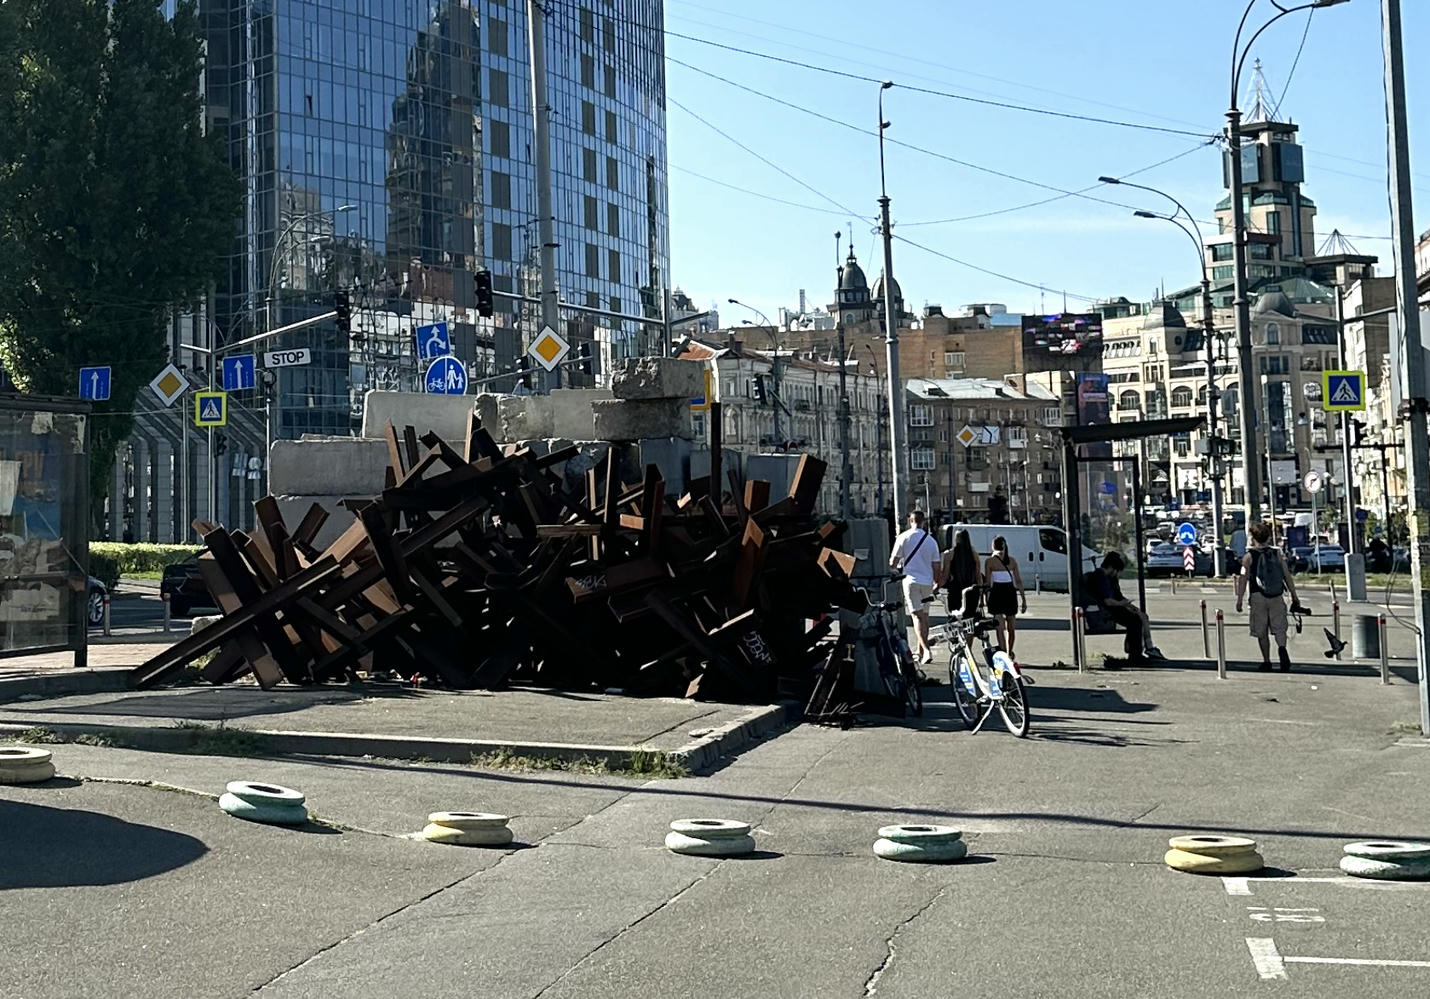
(386, 145)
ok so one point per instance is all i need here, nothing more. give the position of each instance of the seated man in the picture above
(1103, 589)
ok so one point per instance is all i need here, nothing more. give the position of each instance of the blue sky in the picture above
(1152, 62)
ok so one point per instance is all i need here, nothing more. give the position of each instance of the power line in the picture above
(757, 194)
(993, 273)
(951, 95)
(1295, 62)
(844, 209)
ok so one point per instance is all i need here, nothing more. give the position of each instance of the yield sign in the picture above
(548, 348)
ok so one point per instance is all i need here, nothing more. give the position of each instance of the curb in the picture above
(754, 727)
(697, 756)
(98, 680)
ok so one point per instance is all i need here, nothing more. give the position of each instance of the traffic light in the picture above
(761, 396)
(525, 380)
(220, 444)
(483, 282)
(343, 306)
(1357, 433)
(584, 351)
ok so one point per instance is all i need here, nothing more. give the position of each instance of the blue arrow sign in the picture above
(1186, 535)
(1108, 488)
(446, 376)
(433, 341)
(94, 383)
(240, 373)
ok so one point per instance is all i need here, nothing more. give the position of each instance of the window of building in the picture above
(611, 129)
(1273, 334)
(1183, 446)
(954, 360)
(610, 81)
(613, 218)
(588, 25)
(1128, 400)
(613, 174)
(1223, 274)
(500, 133)
(593, 260)
(1051, 416)
(1222, 251)
(498, 88)
(501, 242)
(496, 37)
(923, 459)
(588, 72)
(1181, 397)
(1322, 335)
(501, 189)
(593, 213)
(588, 117)
(588, 164)
(613, 261)
(920, 416)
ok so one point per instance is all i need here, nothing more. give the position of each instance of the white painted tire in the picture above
(936, 852)
(28, 774)
(266, 814)
(264, 794)
(1199, 863)
(921, 835)
(710, 828)
(468, 820)
(1387, 870)
(19, 756)
(452, 836)
(1381, 849)
(722, 845)
(1213, 846)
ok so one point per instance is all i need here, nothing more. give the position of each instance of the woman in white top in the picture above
(1005, 592)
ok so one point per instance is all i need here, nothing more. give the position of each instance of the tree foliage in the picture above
(116, 208)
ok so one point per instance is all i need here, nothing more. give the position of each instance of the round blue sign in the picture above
(1186, 535)
(446, 376)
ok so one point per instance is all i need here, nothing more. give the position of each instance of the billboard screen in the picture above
(1068, 341)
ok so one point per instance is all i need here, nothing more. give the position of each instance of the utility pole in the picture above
(1246, 409)
(1412, 360)
(891, 338)
(844, 469)
(541, 111)
(1214, 458)
(1350, 499)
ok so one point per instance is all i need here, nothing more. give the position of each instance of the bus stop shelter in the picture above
(1095, 480)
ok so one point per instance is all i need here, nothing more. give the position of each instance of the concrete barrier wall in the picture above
(327, 466)
(445, 414)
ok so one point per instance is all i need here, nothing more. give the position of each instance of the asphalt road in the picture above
(1064, 894)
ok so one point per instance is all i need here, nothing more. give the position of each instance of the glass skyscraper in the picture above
(386, 148)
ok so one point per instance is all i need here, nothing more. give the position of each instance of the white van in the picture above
(1041, 552)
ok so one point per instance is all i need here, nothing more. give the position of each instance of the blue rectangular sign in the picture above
(94, 383)
(240, 373)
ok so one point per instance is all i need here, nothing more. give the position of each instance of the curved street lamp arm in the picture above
(1240, 62)
(1180, 207)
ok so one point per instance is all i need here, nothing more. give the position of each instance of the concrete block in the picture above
(657, 378)
(327, 466)
(445, 415)
(522, 418)
(571, 412)
(672, 455)
(635, 419)
(487, 405)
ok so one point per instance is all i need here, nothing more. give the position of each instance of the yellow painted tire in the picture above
(468, 820)
(490, 836)
(1196, 863)
(1213, 846)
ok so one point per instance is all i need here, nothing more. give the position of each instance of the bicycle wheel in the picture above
(966, 702)
(1014, 705)
(913, 694)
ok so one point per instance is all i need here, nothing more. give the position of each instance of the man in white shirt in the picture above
(916, 555)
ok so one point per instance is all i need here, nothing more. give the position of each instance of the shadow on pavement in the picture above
(223, 704)
(48, 847)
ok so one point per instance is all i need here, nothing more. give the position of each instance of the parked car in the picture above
(1164, 560)
(1328, 557)
(184, 587)
(94, 603)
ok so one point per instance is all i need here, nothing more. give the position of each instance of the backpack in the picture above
(1269, 573)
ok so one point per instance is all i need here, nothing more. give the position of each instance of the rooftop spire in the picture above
(1262, 106)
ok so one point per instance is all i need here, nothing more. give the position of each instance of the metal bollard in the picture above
(1038, 583)
(106, 615)
(1220, 645)
(165, 597)
(1336, 623)
(1384, 651)
(1174, 585)
(1206, 635)
(1079, 633)
(1332, 585)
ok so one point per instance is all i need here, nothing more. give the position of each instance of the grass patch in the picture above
(216, 740)
(643, 763)
(38, 736)
(1405, 728)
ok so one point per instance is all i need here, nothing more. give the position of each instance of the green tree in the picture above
(116, 209)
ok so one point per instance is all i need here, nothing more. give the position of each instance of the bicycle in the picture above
(891, 652)
(987, 678)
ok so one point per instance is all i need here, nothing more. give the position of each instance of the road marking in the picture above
(1344, 881)
(1281, 914)
(1237, 886)
(1365, 961)
(1266, 958)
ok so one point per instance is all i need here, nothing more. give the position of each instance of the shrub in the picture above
(108, 560)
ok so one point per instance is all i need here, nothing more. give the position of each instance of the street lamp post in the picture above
(891, 336)
(1241, 303)
(774, 365)
(1209, 335)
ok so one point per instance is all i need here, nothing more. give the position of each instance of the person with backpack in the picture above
(916, 555)
(1264, 573)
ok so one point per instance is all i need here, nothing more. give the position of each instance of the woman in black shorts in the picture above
(1005, 592)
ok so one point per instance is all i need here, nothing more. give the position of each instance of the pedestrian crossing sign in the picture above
(210, 409)
(1342, 391)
